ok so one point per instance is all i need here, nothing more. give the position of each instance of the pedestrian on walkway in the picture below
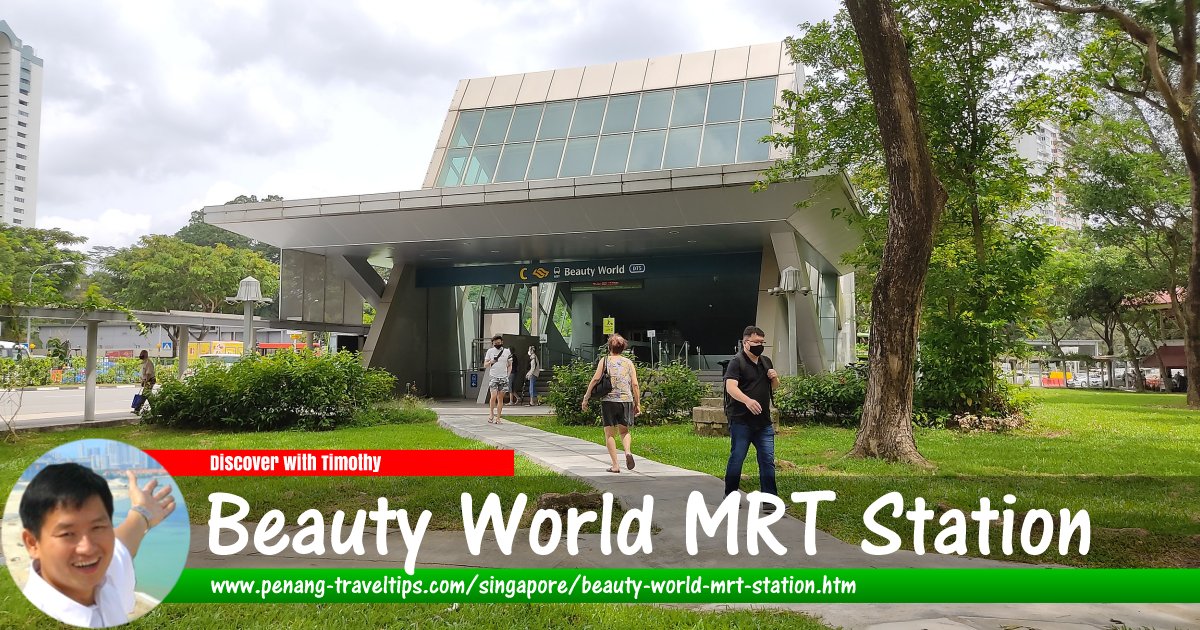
(498, 362)
(619, 406)
(514, 383)
(535, 370)
(148, 380)
(749, 382)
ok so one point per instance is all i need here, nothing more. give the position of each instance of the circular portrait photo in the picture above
(95, 533)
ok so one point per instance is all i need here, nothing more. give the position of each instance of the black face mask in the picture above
(757, 350)
(497, 345)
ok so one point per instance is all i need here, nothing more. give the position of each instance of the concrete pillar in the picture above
(535, 307)
(399, 337)
(89, 390)
(584, 324)
(248, 328)
(185, 338)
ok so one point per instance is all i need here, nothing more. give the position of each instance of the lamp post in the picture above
(29, 292)
(791, 283)
(250, 295)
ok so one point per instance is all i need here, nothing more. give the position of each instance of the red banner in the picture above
(349, 462)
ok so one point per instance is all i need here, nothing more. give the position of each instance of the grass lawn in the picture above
(293, 495)
(328, 494)
(1131, 460)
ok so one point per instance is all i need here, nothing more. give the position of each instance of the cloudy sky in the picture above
(153, 109)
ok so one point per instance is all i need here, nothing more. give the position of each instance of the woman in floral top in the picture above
(619, 406)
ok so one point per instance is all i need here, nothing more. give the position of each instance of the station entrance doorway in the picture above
(688, 310)
(684, 319)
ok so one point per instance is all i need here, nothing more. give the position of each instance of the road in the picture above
(64, 406)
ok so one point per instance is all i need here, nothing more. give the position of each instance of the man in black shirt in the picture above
(749, 382)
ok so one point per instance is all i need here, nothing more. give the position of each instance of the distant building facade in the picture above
(1046, 147)
(20, 126)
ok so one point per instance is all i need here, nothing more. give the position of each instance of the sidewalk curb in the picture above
(111, 422)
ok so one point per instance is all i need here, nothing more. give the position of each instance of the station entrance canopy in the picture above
(691, 222)
(637, 174)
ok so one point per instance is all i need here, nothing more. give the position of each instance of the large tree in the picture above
(24, 251)
(1147, 51)
(197, 232)
(1113, 298)
(981, 84)
(1065, 268)
(1134, 193)
(916, 199)
(162, 273)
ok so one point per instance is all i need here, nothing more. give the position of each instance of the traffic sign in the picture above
(610, 325)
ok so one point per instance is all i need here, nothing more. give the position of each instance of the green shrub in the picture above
(566, 392)
(27, 372)
(835, 397)
(35, 371)
(281, 391)
(669, 392)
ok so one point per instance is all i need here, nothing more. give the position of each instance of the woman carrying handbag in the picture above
(615, 381)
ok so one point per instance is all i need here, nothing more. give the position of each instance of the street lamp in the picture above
(791, 282)
(250, 295)
(29, 292)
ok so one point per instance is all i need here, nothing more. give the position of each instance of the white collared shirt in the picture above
(114, 597)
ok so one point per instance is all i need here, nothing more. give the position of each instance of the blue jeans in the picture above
(741, 437)
(532, 389)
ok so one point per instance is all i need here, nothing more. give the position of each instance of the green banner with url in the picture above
(693, 586)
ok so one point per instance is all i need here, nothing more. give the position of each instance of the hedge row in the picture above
(285, 390)
(38, 371)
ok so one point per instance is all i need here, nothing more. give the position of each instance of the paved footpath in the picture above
(671, 486)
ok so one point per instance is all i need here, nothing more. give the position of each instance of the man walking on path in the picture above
(749, 381)
(498, 361)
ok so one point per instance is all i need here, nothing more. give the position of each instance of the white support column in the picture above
(89, 390)
(181, 350)
(248, 328)
(535, 309)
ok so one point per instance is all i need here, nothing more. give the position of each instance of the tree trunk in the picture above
(916, 199)
(1131, 353)
(1191, 324)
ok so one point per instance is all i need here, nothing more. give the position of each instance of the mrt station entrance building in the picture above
(557, 202)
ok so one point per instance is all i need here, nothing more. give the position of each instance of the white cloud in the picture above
(113, 228)
(153, 108)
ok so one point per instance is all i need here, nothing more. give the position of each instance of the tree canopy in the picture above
(982, 82)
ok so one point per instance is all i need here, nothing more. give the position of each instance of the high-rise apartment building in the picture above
(1046, 148)
(20, 124)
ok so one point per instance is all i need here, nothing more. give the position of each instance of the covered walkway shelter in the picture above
(562, 203)
(91, 319)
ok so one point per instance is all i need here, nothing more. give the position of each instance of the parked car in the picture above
(224, 360)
